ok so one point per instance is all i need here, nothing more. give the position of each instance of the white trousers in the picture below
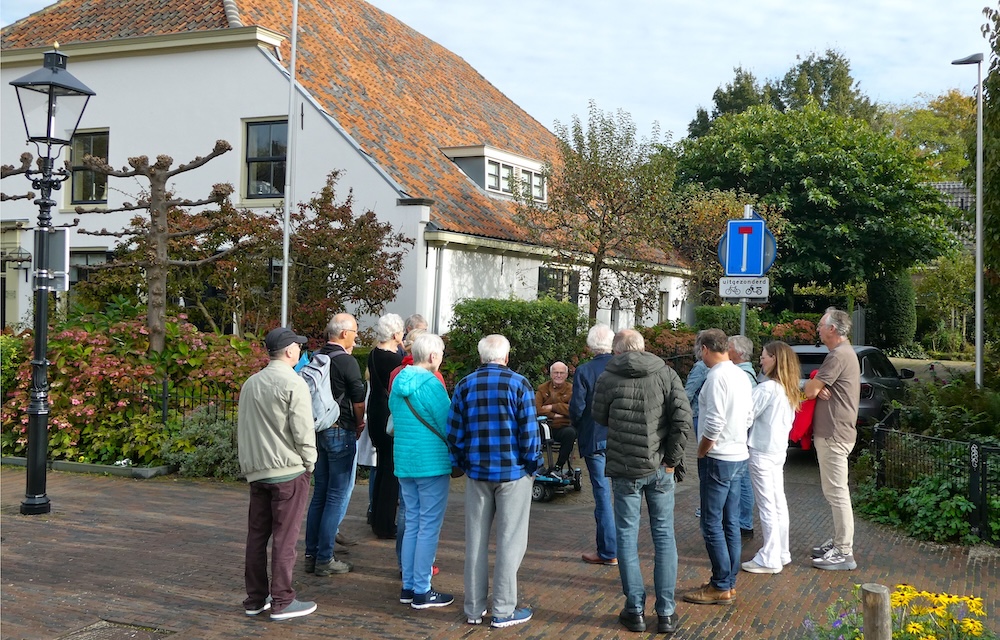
(768, 477)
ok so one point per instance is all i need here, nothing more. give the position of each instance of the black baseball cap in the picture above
(278, 339)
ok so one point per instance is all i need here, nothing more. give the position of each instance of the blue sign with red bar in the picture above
(745, 247)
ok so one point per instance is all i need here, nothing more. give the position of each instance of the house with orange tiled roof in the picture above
(419, 136)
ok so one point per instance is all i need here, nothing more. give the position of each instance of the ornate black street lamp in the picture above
(52, 102)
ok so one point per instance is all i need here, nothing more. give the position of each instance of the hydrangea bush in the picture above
(103, 385)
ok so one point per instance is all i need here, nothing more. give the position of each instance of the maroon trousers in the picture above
(276, 512)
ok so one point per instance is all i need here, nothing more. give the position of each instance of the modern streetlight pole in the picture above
(977, 59)
(52, 103)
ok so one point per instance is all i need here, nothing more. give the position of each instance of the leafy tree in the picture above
(940, 127)
(824, 81)
(339, 259)
(606, 197)
(944, 288)
(152, 237)
(739, 95)
(827, 82)
(855, 200)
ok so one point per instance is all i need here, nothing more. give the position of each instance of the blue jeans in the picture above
(425, 500)
(658, 488)
(746, 501)
(333, 480)
(720, 517)
(604, 513)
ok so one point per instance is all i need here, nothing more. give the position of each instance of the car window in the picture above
(881, 366)
(809, 362)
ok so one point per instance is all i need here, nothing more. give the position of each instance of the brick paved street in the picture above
(167, 554)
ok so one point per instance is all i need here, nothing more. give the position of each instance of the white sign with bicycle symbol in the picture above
(735, 287)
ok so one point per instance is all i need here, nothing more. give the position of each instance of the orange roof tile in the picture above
(401, 96)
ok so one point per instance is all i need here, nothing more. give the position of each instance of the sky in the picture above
(659, 60)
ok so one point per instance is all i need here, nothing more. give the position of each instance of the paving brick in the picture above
(167, 553)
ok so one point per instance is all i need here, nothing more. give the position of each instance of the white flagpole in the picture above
(289, 160)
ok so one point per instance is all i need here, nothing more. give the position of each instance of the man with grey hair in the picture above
(493, 437)
(337, 446)
(837, 389)
(643, 403)
(593, 439)
(741, 353)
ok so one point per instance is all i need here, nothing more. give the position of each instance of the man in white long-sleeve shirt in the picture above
(724, 416)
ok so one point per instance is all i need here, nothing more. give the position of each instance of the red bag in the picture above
(802, 424)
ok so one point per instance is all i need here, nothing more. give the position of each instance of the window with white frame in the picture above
(493, 175)
(506, 178)
(88, 186)
(266, 151)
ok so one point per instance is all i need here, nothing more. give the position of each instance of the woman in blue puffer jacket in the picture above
(419, 406)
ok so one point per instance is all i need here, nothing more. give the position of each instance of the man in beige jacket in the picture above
(277, 452)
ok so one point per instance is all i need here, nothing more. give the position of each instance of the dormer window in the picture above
(500, 172)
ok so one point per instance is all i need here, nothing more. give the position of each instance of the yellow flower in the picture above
(976, 606)
(971, 626)
(914, 627)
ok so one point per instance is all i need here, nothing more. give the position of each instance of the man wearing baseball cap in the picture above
(277, 452)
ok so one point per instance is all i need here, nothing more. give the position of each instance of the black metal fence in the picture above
(902, 458)
(169, 404)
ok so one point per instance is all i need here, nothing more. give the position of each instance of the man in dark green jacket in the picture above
(649, 420)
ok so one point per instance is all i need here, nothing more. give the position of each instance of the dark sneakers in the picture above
(258, 609)
(310, 564)
(430, 599)
(632, 620)
(405, 596)
(666, 624)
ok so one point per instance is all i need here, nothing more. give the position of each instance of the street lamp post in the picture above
(977, 59)
(52, 103)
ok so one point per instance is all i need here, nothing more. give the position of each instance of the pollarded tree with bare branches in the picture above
(154, 237)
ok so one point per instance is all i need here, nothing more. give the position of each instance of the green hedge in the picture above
(727, 318)
(540, 332)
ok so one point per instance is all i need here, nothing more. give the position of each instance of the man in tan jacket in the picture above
(277, 451)
(552, 401)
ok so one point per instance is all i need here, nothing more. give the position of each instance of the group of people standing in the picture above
(635, 419)
(630, 414)
(487, 432)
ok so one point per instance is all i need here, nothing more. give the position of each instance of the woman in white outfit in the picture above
(774, 404)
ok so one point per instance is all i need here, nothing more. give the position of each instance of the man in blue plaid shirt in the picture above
(493, 437)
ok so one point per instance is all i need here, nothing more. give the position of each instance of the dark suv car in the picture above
(880, 382)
